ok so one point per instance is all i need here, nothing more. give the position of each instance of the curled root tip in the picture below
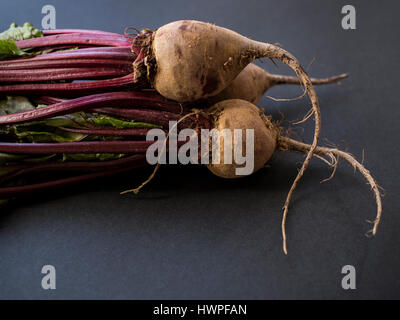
(340, 77)
(283, 226)
(375, 229)
(134, 191)
(306, 117)
(288, 99)
(125, 192)
(128, 33)
(369, 233)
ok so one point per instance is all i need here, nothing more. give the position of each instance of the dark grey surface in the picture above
(190, 235)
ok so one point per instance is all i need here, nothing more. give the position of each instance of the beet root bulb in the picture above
(235, 114)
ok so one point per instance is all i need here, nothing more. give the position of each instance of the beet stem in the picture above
(56, 74)
(72, 166)
(135, 132)
(74, 39)
(27, 189)
(76, 147)
(110, 52)
(129, 99)
(24, 64)
(67, 89)
(161, 118)
(80, 31)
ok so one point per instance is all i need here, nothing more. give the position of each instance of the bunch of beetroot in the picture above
(77, 104)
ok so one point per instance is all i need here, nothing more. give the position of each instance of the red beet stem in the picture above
(47, 100)
(94, 52)
(161, 118)
(76, 147)
(89, 166)
(74, 39)
(55, 74)
(110, 53)
(81, 31)
(67, 89)
(28, 189)
(134, 132)
(113, 99)
(24, 64)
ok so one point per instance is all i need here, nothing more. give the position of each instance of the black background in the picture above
(190, 235)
